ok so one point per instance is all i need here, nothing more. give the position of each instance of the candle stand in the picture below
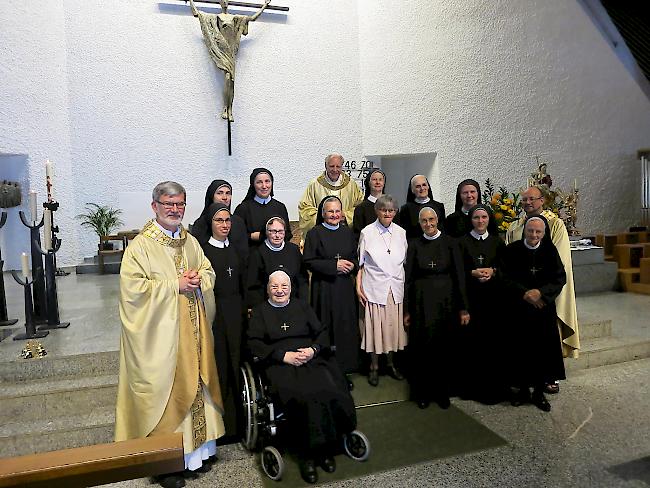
(4, 318)
(37, 268)
(30, 325)
(53, 321)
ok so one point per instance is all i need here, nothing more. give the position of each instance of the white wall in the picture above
(123, 95)
(489, 84)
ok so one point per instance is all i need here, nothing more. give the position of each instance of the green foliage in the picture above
(100, 218)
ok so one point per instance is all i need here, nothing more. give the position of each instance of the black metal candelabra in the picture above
(37, 268)
(4, 318)
(52, 299)
(30, 324)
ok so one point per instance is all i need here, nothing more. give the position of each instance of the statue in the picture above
(222, 33)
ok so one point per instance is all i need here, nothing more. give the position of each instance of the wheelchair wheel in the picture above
(272, 463)
(249, 398)
(356, 445)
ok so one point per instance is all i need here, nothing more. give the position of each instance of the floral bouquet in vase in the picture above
(505, 205)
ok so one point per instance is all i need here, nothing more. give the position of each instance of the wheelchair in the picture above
(262, 422)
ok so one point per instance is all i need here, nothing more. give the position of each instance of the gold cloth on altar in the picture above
(348, 192)
(565, 303)
(168, 378)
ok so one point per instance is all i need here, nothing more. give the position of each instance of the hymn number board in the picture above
(358, 170)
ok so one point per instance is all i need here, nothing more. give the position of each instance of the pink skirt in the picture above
(382, 327)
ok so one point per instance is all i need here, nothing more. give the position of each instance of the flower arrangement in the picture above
(505, 205)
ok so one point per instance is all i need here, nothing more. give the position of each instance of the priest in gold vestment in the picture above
(168, 378)
(565, 303)
(333, 182)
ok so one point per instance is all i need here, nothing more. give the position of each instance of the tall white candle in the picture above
(575, 183)
(47, 230)
(49, 179)
(33, 205)
(25, 264)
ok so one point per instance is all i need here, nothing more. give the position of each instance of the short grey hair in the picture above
(168, 188)
(334, 155)
(386, 201)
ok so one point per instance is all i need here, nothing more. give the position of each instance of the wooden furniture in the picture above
(102, 253)
(95, 465)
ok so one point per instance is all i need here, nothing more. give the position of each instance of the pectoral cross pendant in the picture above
(388, 251)
(229, 272)
(480, 260)
(338, 256)
(534, 270)
(432, 265)
(284, 326)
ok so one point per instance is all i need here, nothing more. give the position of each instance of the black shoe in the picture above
(394, 373)
(308, 471)
(373, 377)
(173, 480)
(521, 397)
(552, 388)
(540, 401)
(328, 464)
(443, 402)
(204, 468)
(422, 404)
(350, 384)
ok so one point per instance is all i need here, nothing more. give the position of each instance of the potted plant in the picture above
(102, 219)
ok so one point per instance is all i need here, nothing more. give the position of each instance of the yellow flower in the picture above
(498, 216)
(497, 196)
(506, 225)
(512, 213)
(507, 201)
(503, 207)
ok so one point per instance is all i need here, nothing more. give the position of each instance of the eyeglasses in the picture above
(221, 221)
(170, 205)
(530, 199)
(274, 231)
(386, 210)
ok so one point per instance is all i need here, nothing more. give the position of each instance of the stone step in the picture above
(595, 278)
(18, 438)
(50, 399)
(593, 327)
(87, 268)
(61, 367)
(608, 350)
(594, 255)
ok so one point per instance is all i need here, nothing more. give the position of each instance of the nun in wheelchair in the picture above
(292, 351)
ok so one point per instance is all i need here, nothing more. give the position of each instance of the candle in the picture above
(47, 230)
(575, 183)
(25, 263)
(33, 207)
(49, 179)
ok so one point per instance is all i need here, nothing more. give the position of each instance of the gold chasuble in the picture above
(565, 303)
(348, 192)
(168, 376)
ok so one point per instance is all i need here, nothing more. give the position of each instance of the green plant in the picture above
(100, 218)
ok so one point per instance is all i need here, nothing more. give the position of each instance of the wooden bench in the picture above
(628, 255)
(95, 465)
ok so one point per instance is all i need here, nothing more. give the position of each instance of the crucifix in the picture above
(338, 256)
(284, 326)
(229, 269)
(534, 270)
(432, 265)
(222, 33)
(480, 259)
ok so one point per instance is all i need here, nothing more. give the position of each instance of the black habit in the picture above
(255, 216)
(458, 224)
(408, 217)
(435, 295)
(538, 355)
(485, 338)
(333, 294)
(265, 261)
(364, 214)
(228, 328)
(314, 396)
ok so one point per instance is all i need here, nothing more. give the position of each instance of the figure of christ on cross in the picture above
(229, 269)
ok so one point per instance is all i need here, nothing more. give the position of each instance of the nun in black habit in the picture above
(292, 346)
(229, 320)
(436, 305)
(418, 196)
(364, 213)
(484, 369)
(468, 194)
(259, 206)
(276, 254)
(220, 191)
(534, 276)
(331, 256)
